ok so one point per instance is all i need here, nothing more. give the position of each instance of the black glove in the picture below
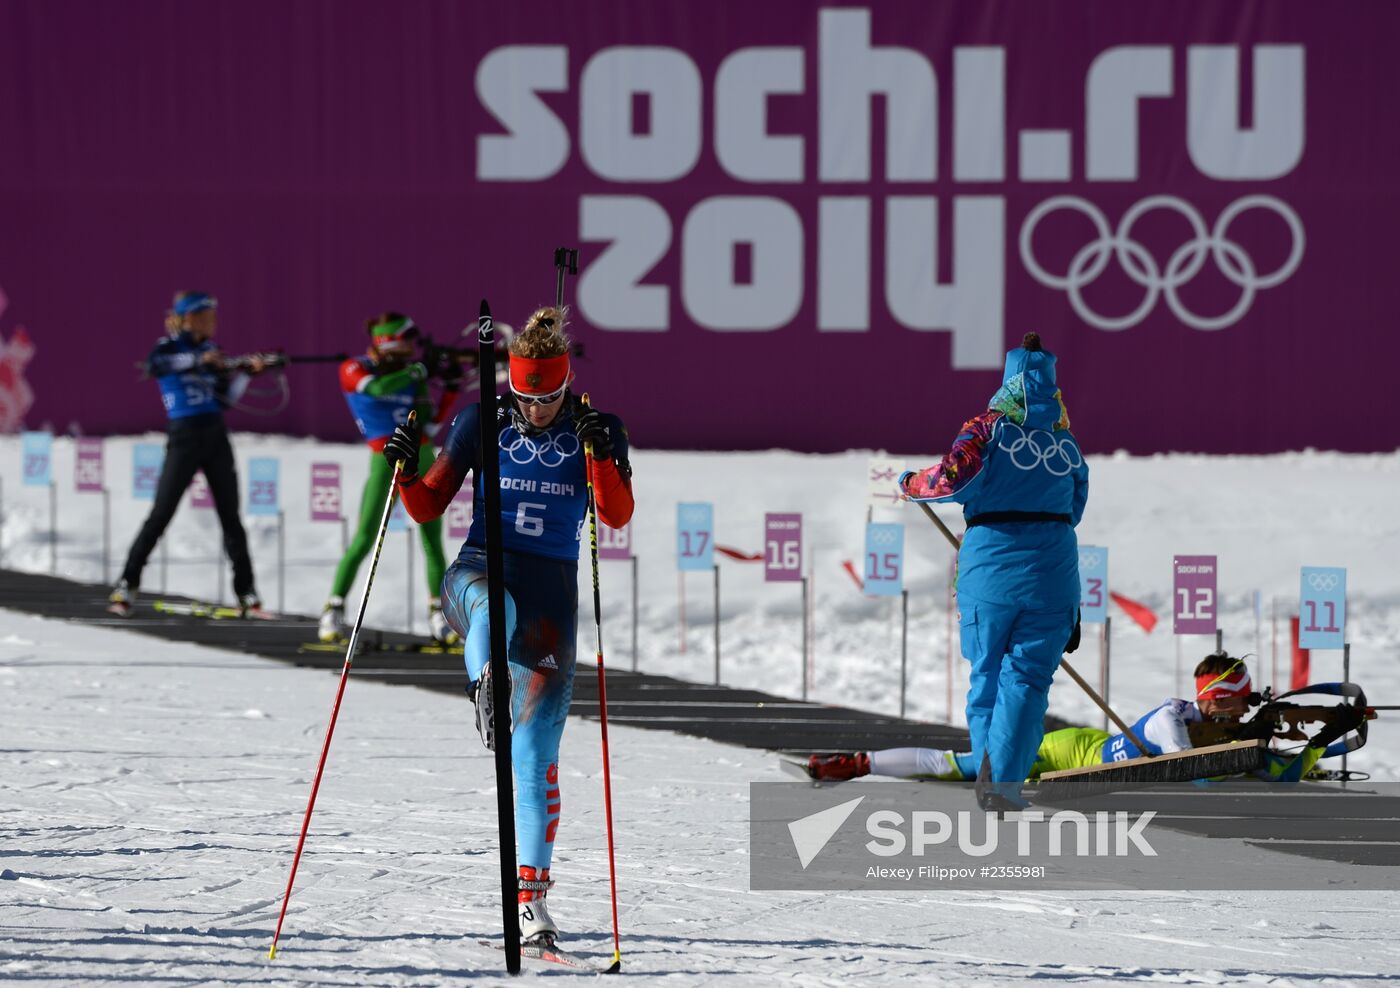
(590, 429)
(1347, 718)
(403, 445)
(1073, 643)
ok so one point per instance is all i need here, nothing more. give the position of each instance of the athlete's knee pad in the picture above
(465, 601)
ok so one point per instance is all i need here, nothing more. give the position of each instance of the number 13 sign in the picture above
(1093, 584)
(1193, 595)
(1322, 607)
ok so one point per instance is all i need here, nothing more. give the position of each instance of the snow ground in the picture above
(152, 791)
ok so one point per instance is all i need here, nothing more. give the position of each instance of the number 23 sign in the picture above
(1193, 595)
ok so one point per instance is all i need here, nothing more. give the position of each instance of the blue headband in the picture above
(192, 302)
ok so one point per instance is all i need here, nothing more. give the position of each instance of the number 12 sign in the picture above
(1193, 595)
(695, 535)
(1093, 584)
(1322, 607)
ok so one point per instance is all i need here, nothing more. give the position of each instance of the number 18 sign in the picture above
(1193, 595)
(1322, 607)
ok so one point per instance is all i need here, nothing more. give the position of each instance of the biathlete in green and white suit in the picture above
(381, 388)
(1222, 694)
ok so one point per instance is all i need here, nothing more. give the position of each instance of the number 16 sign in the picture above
(1193, 595)
(1322, 607)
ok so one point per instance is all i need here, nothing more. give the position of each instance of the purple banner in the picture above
(782, 547)
(87, 465)
(1198, 188)
(614, 543)
(459, 513)
(1193, 595)
(325, 492)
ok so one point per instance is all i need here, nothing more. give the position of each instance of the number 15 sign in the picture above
(1193, 595)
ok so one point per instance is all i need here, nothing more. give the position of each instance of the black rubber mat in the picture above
(745, 717)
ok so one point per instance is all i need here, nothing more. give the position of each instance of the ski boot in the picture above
(997, 797)
(332, 627)
(838, 767)
(122, 599)
(250, 605)
(537, 927)
(438, 627)
(482, 699)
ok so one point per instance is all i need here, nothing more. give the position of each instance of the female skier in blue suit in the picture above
(1022, 481)
(542, 434)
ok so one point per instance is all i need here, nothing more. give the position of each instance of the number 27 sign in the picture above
(1193, 595)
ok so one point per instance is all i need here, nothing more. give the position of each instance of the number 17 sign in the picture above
(695, 535)
(1322, 607)
(1193, 595)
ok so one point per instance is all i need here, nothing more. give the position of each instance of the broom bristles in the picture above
(1139, 773)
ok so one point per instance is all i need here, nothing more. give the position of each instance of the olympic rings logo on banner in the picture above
(1323, 582)
(1090, 560)
(1183, 265)
(882, 536)
(694, 516)
(552, 452)
(1059, 456)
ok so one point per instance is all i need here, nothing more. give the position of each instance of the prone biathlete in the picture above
(381, 388)
(541, 434)
(1222, 694)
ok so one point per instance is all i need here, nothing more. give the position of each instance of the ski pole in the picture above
(339, 693)
(1118, 722)
(602, 696)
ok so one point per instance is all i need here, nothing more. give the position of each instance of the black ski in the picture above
(214, 612)
(417, 648)
(490, 467)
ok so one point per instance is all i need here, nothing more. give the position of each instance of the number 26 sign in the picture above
(1193, 595)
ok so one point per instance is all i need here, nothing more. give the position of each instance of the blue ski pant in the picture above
(1014, 653)
(541, 605)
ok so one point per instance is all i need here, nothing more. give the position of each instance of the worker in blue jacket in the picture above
(1022, 481)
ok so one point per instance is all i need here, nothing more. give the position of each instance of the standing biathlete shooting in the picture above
(382, 388)
(542, 431)
(196, 383)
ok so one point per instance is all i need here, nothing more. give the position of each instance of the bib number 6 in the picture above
(529, 518)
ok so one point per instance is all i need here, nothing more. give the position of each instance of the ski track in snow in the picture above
(151, 793)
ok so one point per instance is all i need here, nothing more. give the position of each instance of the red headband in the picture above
(1212, 686)
(538, 376)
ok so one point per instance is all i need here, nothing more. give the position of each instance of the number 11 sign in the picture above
(1193, 595)
(1322, 607)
